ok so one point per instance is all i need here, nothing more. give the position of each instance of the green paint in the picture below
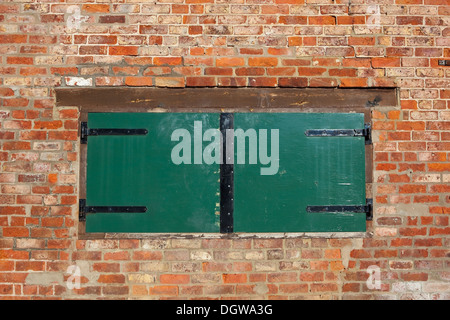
(138, 171)
(312, 171)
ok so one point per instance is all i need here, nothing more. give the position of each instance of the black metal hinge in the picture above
(83, 209)
(367, 209)
(366, 133)
(85, 132)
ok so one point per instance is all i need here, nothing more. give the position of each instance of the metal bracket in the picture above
(83, 209)
(85, 132)
(366, 133)
(444, 62)
(367, 209)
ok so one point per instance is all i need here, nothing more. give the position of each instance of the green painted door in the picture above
(312, 171)
(139, 171)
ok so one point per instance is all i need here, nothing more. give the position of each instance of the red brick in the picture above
(97, 50)
(359, 253)
(439, 231)
(119, 255)
(304, 71)
(32, 71)
(413, 231)
(353, 82)
(255, 71)
(63, 135)
(139, 81)
(106, 267)
(112, 19)
(293, 288)
(16, 232)
(147, 255)
(151, 71)
(16, 145)
(351, 20)
(95, 8)
(262, 62)
(291, 19)
(351, 287)
(68, 114)
(173, 82)
(174, 279)
(123, 50)
(426, 199)
(116, 290)
(439, 167)
(324, 287)
(111, 278)
(164, 290)
(263, 82)
(385, 62)
(410, 188)
(342, 72)
(218, 71)
(293, 82)
(417, 276)
(30, 266)
(200, 82)
(33, 135)
(6, 265)
(6, 92)
(56, 124)
(234, 278)
(409, 20)
(282, 277)
(171, 61)
(16, 210)
(13, 38)
(295, 41)
(19, 60)
(321, 20)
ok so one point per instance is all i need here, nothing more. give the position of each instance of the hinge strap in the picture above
(367, 209)
(366, 133)
(83, 209)
(85, 132)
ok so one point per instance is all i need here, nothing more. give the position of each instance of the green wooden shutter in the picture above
(137, 170)
(313, 171)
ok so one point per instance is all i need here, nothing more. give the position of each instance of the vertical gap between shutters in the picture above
(226, 176)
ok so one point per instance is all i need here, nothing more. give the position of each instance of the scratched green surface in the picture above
(312, 171)
(138, 171)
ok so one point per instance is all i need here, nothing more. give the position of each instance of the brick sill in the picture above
(286, 235)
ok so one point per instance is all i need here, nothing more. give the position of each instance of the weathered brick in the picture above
(202, 43)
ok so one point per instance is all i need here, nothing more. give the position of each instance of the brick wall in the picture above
(231, 43)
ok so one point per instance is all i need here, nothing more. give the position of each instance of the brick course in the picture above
(235, 43)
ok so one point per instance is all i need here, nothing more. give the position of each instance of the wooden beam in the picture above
(115, 99)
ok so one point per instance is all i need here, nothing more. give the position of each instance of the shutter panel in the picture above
(313, 171)
(133, 186)
(137, 171)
